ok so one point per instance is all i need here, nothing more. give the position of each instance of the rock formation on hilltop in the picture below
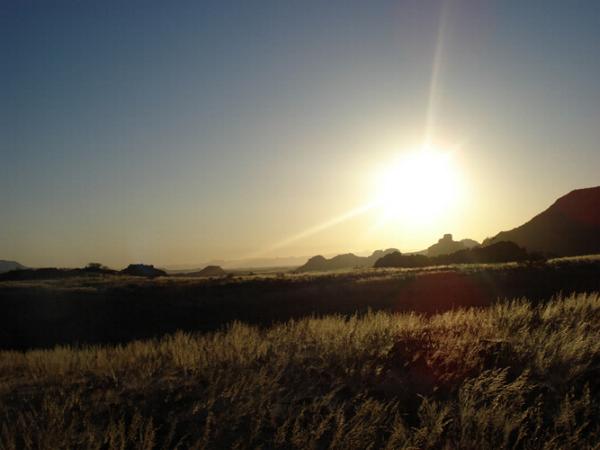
(446, 245)
(571, 226)
(346, 261)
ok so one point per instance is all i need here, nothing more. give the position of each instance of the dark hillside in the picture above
(346, 261)
(498, 252)
(571, 226)
(7, 266)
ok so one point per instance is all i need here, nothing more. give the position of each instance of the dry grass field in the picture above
(118, 309)
(511, 375)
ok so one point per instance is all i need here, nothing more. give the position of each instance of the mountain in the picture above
(503, 251)
(447, 245)
(397, 259)
(571, 226)
(7, 266)
(143, 270)
(495, 253)
(208, 271)
(469, 243)
(346, 261)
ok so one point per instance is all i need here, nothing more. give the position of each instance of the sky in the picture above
(179, 132)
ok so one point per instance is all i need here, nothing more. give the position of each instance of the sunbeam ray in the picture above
(430, 123)
(432, 102)
(316, 229)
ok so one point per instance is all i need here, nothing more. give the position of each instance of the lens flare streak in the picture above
(318, 228)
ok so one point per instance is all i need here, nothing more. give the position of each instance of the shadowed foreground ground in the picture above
(511, 375)
(117, 309)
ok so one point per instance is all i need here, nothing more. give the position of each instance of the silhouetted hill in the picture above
(571, 226)
(50, 273)
(7, 266)
(346, 261)
(499, 252)
(469, 243)
(53, 273)
(208, 271)
(447, 245)
(494, 253)
(143, 270)
(397, 259)
(444, 246)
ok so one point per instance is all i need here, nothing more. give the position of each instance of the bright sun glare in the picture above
(419, 187)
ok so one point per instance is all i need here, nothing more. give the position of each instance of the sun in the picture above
(419, 187)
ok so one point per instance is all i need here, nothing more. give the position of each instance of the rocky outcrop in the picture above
(444, 246)
(143, 270)
(7, 266)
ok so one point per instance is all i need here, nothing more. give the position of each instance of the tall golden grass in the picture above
(511, 375)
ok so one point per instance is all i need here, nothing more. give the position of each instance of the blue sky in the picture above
(180, 132)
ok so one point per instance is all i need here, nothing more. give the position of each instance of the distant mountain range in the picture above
(494, 253)
(346, 261)
(444, 246)
(571, 226)
(7, 266)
